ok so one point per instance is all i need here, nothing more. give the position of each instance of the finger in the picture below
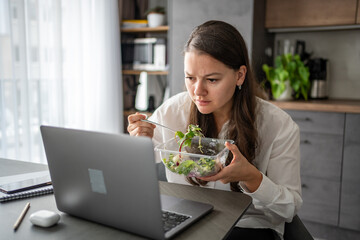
(144, 135)
(224, 181)
(232, 147)
(234, 150)
(149, 132)
(134, 123)
(135, 117)
(215, 177)
(133, 128)
(140, 125)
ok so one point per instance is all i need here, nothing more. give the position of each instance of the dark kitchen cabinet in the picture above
(358, 13)
(350, 185)
(311, 13)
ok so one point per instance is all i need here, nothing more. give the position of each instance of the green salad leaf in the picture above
(185, 138)
(203, 167)
(185, 167)
(182, 165)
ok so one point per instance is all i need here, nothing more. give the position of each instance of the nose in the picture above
(200, 88)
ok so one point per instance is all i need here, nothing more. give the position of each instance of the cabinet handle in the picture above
(305, 142)
(307, 119)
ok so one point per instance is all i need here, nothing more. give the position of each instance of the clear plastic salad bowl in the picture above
(205, 156)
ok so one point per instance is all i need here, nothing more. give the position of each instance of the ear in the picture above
(240, 75)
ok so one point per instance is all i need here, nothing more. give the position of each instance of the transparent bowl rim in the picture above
(156, 148)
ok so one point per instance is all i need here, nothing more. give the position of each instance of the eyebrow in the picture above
(206, 75)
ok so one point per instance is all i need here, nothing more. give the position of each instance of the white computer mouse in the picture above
(44, 218)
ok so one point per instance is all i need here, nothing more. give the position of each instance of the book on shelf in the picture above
(134, 23)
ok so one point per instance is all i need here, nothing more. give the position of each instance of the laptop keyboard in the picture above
(171, 219)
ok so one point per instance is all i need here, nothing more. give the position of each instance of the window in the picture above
(39, 85)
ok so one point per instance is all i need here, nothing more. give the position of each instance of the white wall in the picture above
(184, 15)
(342, 48)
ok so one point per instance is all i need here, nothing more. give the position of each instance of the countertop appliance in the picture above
(319, 78)
(144, 54)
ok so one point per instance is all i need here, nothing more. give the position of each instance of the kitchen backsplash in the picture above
(342, 49)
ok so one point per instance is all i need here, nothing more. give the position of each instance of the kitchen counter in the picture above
(329, 105)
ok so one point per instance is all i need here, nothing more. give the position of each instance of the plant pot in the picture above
(287, 94)
(155, 19)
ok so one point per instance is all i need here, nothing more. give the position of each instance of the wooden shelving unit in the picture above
(145, 29)
(129, 112)
(137, 72)
(142, 32)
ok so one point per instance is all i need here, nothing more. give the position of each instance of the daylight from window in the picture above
(56, 68)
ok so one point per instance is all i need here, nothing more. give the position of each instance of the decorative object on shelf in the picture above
(134, 23)
(289, 75)
(142, 95)
(159, 29)
(155, 16)
(287, 93)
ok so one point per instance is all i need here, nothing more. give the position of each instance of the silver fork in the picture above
(145, 120)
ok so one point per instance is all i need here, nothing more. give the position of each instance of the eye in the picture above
(212, 80)
(190, 78)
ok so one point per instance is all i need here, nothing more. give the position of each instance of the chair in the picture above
(296, 230)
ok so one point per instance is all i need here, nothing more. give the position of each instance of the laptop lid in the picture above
(111, 179)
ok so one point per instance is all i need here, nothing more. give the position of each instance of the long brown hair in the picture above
(223, 42)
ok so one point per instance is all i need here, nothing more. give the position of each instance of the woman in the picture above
(223, 99)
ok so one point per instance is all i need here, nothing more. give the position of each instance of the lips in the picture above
(202, 102)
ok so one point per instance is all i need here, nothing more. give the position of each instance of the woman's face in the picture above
(210, 83)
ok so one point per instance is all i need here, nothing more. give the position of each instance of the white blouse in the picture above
(278, 198)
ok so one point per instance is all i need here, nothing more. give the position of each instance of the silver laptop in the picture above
(112, 179)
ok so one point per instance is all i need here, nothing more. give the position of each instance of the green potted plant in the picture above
(289, 75)
(155, 16)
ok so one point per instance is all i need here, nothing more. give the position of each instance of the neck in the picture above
(222, 116)
(220, 120)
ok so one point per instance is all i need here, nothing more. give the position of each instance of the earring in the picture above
(239, 87)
